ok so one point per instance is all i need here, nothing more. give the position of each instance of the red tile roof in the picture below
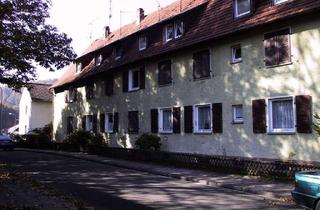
(204, 20)
(40, 92)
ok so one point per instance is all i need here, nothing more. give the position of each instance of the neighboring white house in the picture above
(35, 107)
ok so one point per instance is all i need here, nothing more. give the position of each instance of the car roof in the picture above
(4, 138)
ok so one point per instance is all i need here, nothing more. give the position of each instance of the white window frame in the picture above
(233, 54)
(195, 118)
(71, 94)
(160, 121)
(166, 32)
(176, 28)
(142, 44)
(89, 125)
(276, 2)
(234, 116)
(236, 9)
(130, 80)
(78, 67)
(269, 115)
(98, 60)
(106, 120)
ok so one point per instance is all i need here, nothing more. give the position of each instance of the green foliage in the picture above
(85, 138)
(148, 142)
(26, 40)
(316, 123)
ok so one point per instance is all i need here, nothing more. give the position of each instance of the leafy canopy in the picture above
(26, 40)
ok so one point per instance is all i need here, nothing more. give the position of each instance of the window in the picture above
(242, 7)
(202, 118)
(281, 116)
(279, 1)
(98, 60)
(178, 29)
(89, 122)
(165, 120)
(133, 122)
(201, 64)
(90, 91)
(169, 30)
(71, 95)
(117, 52)
(142, 42)
(164, 74)
(70, 124)
(236, 54)
(277, 48)
(134, 79)
(109, 122)
(78, 67)
(237, 114)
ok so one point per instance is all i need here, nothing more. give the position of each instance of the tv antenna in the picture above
(159, 8)
(110, 12)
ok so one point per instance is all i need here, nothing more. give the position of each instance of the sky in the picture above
(84, 20)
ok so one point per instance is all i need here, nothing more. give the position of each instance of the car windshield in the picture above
(4, 138)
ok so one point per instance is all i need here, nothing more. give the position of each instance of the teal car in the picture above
(307, 189)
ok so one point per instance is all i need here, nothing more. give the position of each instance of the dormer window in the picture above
(98, 59)
(78, 67)
(117, 52)
(178, 29)
(242, 7)
(169, 30)
(142, 42)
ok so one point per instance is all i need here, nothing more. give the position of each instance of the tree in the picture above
(27, 40)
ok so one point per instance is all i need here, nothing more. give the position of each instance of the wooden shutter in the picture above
(277, 47)
(164, 72)
(304, 113)
(201, 64)
(217, 119)
(66, 96)
(109, 85)
(83, 123)
(133, 122)
(154, 121)
(176, 120)
(125, 78)
(259, 116)
(284, 47)
(94, 123)
(115, 122)
(142, 77)
(102, 122)
(188, 119)
(70, 125)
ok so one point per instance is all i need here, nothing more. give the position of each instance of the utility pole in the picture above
(1, 107)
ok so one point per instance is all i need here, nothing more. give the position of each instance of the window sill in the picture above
(235, 123)
(236, 62)
(202, 132)
(281, 133)
(133, 90)
(165, 85)
(202, 78)
(165, 132)
(242, 15)
(279, 65)
(133, 132)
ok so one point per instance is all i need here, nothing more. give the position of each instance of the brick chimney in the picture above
(140, 15)
(106, 31)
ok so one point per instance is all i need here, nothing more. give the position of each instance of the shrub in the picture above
(84, 138)
(148, 142)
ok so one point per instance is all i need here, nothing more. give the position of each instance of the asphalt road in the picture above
(108, 187)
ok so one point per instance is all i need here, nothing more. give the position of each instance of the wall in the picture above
(24, 111)
(231, 84)
(41, 114)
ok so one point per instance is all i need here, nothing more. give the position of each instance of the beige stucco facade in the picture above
(230, 84)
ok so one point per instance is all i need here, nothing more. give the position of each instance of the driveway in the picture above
(108, 187)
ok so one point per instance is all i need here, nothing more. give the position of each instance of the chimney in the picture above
(140, 15)
(106, 31)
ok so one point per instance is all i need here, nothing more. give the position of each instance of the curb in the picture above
(86, 157)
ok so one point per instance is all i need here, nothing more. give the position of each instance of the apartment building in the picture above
(233, 77)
